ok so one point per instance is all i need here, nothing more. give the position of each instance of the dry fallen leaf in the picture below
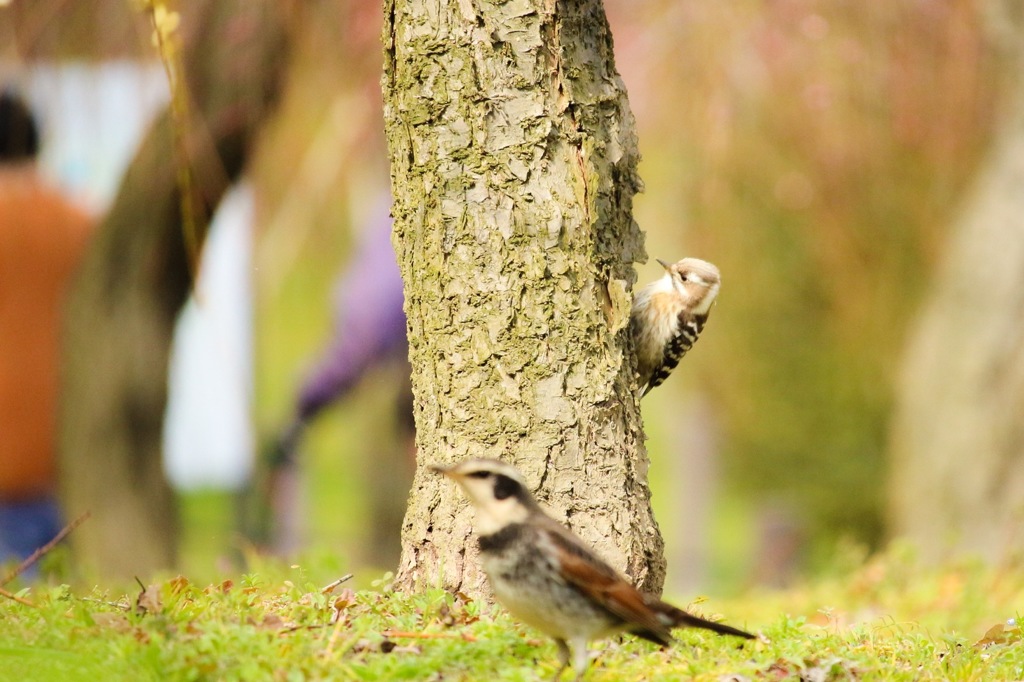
(994, 635)
(1001, 634)
(148, 600)
(178, 584)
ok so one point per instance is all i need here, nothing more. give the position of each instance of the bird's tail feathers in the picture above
(679, 618)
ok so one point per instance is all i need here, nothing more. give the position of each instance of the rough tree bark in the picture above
(514, 157)
(136, 277)
(958, 434)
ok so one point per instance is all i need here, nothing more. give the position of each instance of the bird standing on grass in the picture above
(668, 315)
(547, 577)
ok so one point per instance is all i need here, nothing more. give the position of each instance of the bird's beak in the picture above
(444, 471)
(663, 263)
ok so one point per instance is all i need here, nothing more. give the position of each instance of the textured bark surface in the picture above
(958, 436)
(514, 158)
(135, 279)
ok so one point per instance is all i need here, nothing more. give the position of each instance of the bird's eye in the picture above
(505, 487)
(479, 474)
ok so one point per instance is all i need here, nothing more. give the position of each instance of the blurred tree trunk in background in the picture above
(514, 158)
(958, 434)
(135, 279)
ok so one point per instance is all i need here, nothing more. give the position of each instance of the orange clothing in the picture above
(42, 239)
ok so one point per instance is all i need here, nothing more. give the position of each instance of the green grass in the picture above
(884, 619)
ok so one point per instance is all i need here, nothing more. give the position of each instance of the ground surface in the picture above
(885, 619)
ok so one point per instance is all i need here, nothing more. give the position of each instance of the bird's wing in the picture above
(583, 569)
(690, 327)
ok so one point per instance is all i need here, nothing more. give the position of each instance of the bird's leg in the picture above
(563, 658)
(581, 658)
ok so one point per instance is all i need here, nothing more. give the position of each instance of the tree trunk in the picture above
(958, 434)
(514, 158)
(135, 278)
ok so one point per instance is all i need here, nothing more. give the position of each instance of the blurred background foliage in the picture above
(816, 151)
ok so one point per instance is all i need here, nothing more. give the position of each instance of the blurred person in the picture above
(42, 240)
(207, 440)
(369, 332)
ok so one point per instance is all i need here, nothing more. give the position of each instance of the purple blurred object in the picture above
(369, 330)
(369, 323)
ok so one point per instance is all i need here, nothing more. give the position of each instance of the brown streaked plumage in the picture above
(668, 316)
(549, 578)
